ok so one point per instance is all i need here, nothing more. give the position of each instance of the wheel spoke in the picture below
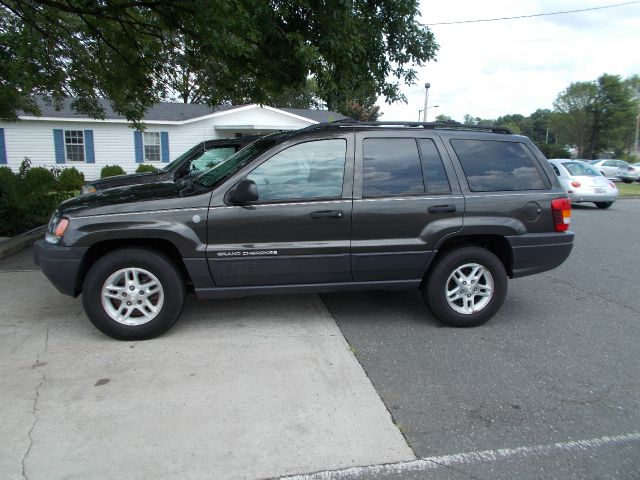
(484, 291)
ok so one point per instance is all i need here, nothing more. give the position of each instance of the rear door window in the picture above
(492, 166)
(391, 167)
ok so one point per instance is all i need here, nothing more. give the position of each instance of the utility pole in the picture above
(426, 101)
(637, 128)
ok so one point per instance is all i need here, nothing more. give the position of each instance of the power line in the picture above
(534, 15)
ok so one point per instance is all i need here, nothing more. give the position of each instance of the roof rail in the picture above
(446, 125)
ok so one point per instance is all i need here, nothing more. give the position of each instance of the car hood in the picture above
(136, 198)
(130, 179)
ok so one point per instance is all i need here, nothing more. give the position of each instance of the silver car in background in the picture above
(617, 170)
(584, 183)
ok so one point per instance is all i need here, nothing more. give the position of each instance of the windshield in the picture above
(579, 169)
(222, 170)
(182, 157)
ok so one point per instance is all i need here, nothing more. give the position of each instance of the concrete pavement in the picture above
(249, 388)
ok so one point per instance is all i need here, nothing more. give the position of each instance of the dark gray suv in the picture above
(441, 207)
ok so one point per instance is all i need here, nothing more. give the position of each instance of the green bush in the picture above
(142, 168)
(37, 179)
(11, 213)
(70, 179)
(551, 150)
(27, 199)
(111, 171)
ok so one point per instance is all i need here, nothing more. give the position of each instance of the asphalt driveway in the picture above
(559, 363)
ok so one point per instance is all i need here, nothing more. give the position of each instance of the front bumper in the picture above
(61, 265)
(538, 252)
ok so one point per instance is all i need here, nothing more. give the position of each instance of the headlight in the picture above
(56, 228)
(87, 189)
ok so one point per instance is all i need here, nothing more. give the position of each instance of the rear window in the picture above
(580, 169)
(492, 166)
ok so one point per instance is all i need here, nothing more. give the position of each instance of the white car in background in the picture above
(584, 183)
(617, 170)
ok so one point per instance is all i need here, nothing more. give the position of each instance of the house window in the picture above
(152, 147)
(74, 145)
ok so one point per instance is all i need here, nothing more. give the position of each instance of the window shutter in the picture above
(164, 146)
(58, 145)
(89, 153)
(3, 148)
(137, 143)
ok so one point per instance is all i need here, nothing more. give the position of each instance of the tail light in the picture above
(575, 184)
(612, 185)
(561, 209)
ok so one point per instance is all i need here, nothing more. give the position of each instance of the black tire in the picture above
(169, 277)
(434, 288)
(603, 204)
(627, 181)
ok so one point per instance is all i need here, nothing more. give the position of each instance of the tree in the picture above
(443, 118)
(364, 110)
(469, 120)
(595, 116)
(137, 52)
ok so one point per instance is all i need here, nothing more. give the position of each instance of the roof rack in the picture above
(446, 125)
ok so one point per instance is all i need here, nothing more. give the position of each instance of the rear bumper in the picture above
(61, 265)
(539, 252)
(577, 196)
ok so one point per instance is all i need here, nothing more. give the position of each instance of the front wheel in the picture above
(466, 287)
(133, 294)
(603, 204)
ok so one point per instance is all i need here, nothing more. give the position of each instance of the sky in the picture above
(491, 69)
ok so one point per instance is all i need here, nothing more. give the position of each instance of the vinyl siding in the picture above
(113, 143)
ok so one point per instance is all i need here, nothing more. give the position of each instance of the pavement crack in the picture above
(34, 411)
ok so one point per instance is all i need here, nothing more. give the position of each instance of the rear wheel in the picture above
(603, 204)
(133, 294)
(466, 287)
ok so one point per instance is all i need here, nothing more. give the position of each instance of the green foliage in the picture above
(111, 171)
(28, 198)
(364, 111)
(25, 165)
(69, 179)
(137, 53)
(37, 179)
(443, 118)
(597, 116)
(551, 150)
(10, 209)
(145, 168)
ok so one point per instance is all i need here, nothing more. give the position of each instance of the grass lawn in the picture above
(628, 189)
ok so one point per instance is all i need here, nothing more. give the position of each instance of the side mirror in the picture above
(245, 191)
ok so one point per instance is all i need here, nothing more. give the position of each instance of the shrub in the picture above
(552, 150)
(70, 179)
(111, 171)
(11, 213)
(25, 166)
(142, 168)
(37, 179)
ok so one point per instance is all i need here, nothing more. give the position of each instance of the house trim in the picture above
(173, 122)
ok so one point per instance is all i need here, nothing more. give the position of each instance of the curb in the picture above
(22, 241)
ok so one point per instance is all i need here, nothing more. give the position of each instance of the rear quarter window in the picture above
(492, 166)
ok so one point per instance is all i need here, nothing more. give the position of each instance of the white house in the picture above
(65, 138)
